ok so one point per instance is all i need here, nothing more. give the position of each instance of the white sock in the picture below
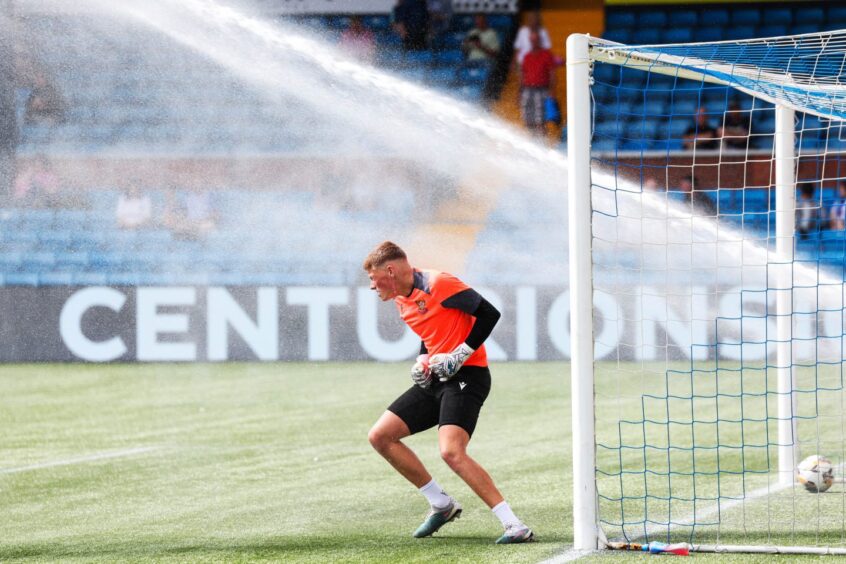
(435, 494)
(505, 515)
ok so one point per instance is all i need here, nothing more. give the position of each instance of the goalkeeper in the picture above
(451, 382)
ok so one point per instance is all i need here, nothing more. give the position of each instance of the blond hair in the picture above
(383, 253)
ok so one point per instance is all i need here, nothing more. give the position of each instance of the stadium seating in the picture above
(261, 238)
(687, 23)
(138, 108)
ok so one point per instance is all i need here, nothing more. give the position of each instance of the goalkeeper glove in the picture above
(446, 365)
(420, 372)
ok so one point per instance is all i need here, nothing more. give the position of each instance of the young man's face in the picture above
(382, 281)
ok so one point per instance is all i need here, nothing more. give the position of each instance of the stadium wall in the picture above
(188, 324)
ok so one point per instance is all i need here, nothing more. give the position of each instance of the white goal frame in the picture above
(587, 534)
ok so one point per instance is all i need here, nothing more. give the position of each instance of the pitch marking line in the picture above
(80, 460)
(568, 556)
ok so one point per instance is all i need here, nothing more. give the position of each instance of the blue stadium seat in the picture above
(642, 129)
(683, 18)
(646, 36)
(418, 57)
(123, 278)
(38, 261)
(809, 15)
(10, 260)
(61, 237)
(659, 85)
(377, 23)
(683, 108)
(453, 40)
(652, 18)
(811, 141)
(709, 34)
(677, 128)
(55, 279)
(772, 30)
(90, 278)
(463, 22)
(606, 73)
(20, 279)
(607, 129)
(655, 108)
(76, 260)
(618, 35)
(745, 16)
(837, 14)
(740, 32)
(715, 17)
(763, 142)
(616, 19)
(677, 35)
(773, 15)
(805, 28)
(449, 58)
(500, 21)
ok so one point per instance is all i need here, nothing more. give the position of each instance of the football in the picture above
(815, 473)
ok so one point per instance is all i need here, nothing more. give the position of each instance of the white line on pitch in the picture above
(79, 460)
(568, 556)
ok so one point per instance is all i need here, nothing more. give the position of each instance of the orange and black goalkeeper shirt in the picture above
(432, 311)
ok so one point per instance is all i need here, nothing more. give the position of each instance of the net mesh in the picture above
(686, 279)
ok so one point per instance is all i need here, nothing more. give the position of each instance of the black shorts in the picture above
(455, 402)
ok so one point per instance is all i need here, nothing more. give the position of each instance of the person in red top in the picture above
(537, 82)
(451, 382)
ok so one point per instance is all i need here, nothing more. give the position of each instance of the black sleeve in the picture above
(487, 316)
(423, 349)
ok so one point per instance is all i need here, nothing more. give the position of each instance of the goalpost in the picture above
(708, 338)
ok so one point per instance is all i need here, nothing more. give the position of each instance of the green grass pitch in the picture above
(249, 462)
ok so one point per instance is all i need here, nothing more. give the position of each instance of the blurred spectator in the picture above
(537, 83)
(134, 209)
(358, 41)
(411, 23)
(440, 17)
(481, 45)
(701, 134)
(701, 203)
(807, 210)
(45, 104)
(837, 213)
(650, 185)
(191, 218)
(735, 129)
(523, 42)
(38, 186)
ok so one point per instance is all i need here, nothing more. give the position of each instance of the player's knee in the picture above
(452, 454)
(379, 440)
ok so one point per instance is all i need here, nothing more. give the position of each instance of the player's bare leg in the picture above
(453, 442)
(385, 436)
